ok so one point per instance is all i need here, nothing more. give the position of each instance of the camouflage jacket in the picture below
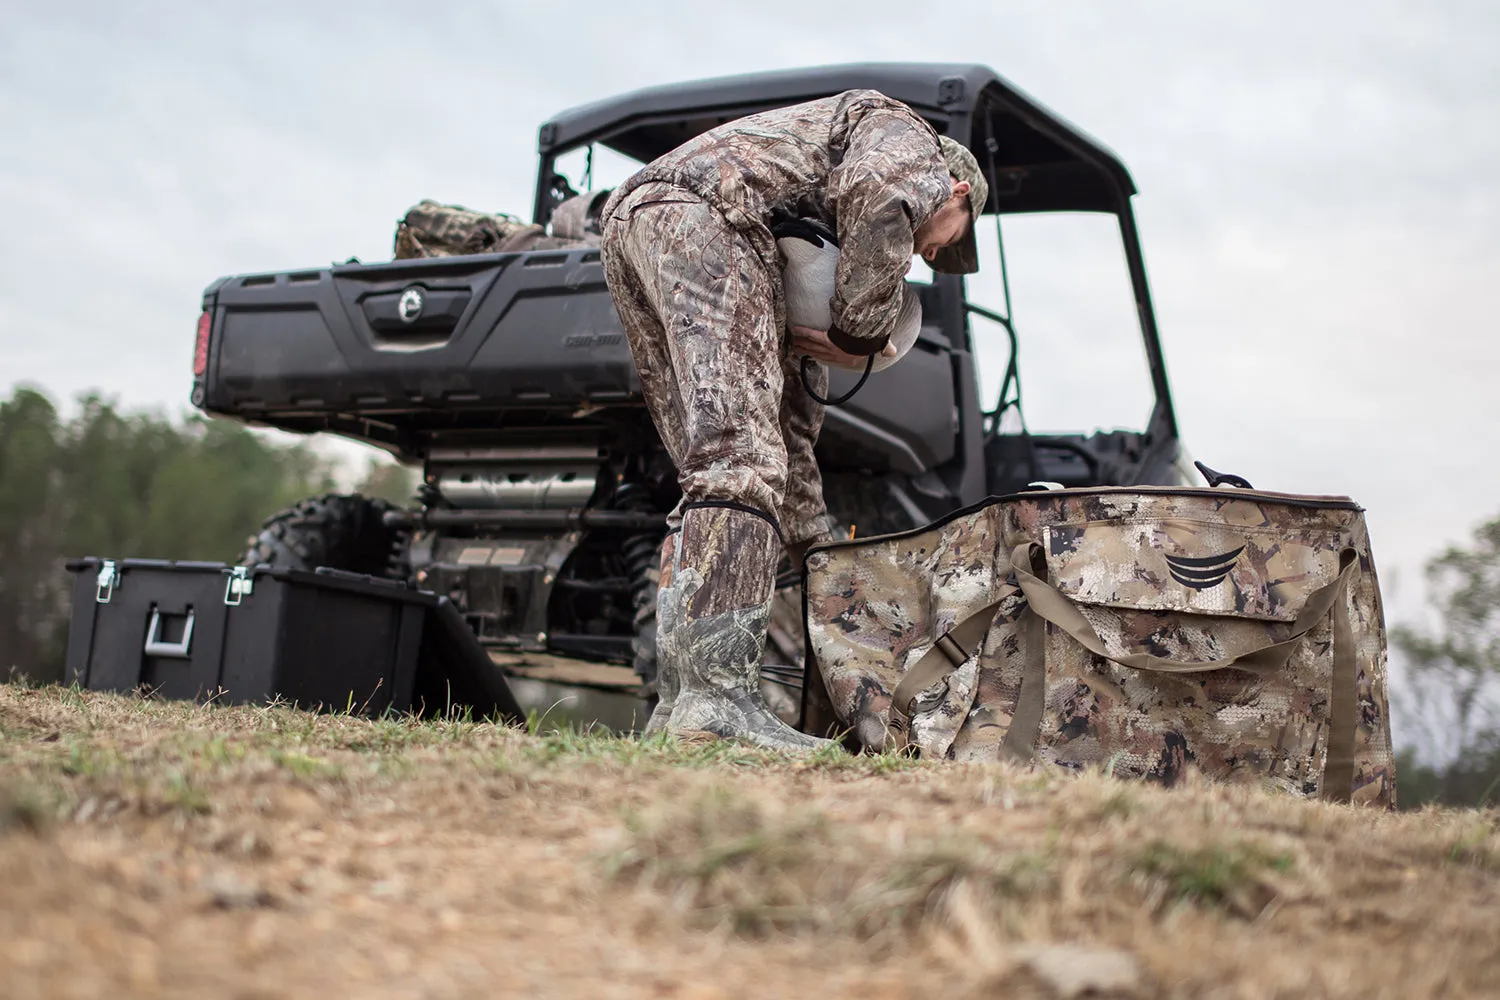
(864, 164)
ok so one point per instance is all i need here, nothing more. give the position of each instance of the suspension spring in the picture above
(639, 551)
(396, 563)
(398, 558)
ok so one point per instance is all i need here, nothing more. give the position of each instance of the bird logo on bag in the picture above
(1203, 572)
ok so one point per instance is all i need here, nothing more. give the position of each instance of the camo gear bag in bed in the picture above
(1145, 630)
(430, 229)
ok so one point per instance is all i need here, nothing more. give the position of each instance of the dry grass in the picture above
(155, 849)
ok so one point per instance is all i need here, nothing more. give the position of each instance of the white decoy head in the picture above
(810, 256)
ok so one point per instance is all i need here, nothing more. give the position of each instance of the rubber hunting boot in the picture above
(666, 665)
(713, 612)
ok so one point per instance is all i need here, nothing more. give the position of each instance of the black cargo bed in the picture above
(487, 331)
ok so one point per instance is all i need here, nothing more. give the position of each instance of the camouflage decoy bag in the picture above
(1144, 630)
(430, 229)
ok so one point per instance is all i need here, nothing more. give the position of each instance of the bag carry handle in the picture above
(1051, 604)
(1045, 603)
(952, 650)
(1048, 603)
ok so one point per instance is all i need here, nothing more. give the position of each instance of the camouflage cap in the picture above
(963, 256)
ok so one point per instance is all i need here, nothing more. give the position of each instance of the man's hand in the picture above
(815, 344)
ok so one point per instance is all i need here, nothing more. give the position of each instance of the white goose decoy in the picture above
(811, 255)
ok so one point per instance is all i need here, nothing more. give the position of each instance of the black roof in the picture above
(1041, 163)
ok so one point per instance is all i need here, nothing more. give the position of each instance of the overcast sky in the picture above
(1320, 196)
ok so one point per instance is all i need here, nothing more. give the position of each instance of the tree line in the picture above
(106, 482)
(116, 484)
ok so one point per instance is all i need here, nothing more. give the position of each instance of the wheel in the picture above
(338, 531)
(644, 644)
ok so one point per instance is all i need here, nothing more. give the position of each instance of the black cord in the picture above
(1223, 478)
(807, 362)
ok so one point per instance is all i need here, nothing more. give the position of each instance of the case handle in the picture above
(156, 647)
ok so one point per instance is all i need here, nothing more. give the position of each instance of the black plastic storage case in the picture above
(325, 640)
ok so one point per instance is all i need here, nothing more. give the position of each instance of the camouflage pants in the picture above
(704, 318)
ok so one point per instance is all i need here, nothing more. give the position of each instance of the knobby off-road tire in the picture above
(643, 646)
(339, 531)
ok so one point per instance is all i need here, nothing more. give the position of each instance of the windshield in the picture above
(1082, 360)
(594, 168)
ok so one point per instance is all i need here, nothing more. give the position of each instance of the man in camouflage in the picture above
(696, 276)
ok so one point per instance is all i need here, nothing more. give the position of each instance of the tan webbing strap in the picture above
(952, 649)
(1026, 724)
(1050, 603)
(1338, 771)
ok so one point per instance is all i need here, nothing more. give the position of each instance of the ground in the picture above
(159, 849)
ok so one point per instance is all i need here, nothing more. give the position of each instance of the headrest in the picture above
(578, 217)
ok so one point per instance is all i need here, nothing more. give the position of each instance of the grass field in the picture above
(160, 849)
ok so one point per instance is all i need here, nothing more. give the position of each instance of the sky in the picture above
(1319, 197)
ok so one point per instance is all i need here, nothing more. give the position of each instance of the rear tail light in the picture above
(200, 349)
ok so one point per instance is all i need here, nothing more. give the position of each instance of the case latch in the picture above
(241, 585)
(108, 580)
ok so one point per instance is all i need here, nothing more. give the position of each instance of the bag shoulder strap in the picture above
(951, 651)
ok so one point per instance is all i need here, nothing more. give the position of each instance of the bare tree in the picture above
(1453, 678)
